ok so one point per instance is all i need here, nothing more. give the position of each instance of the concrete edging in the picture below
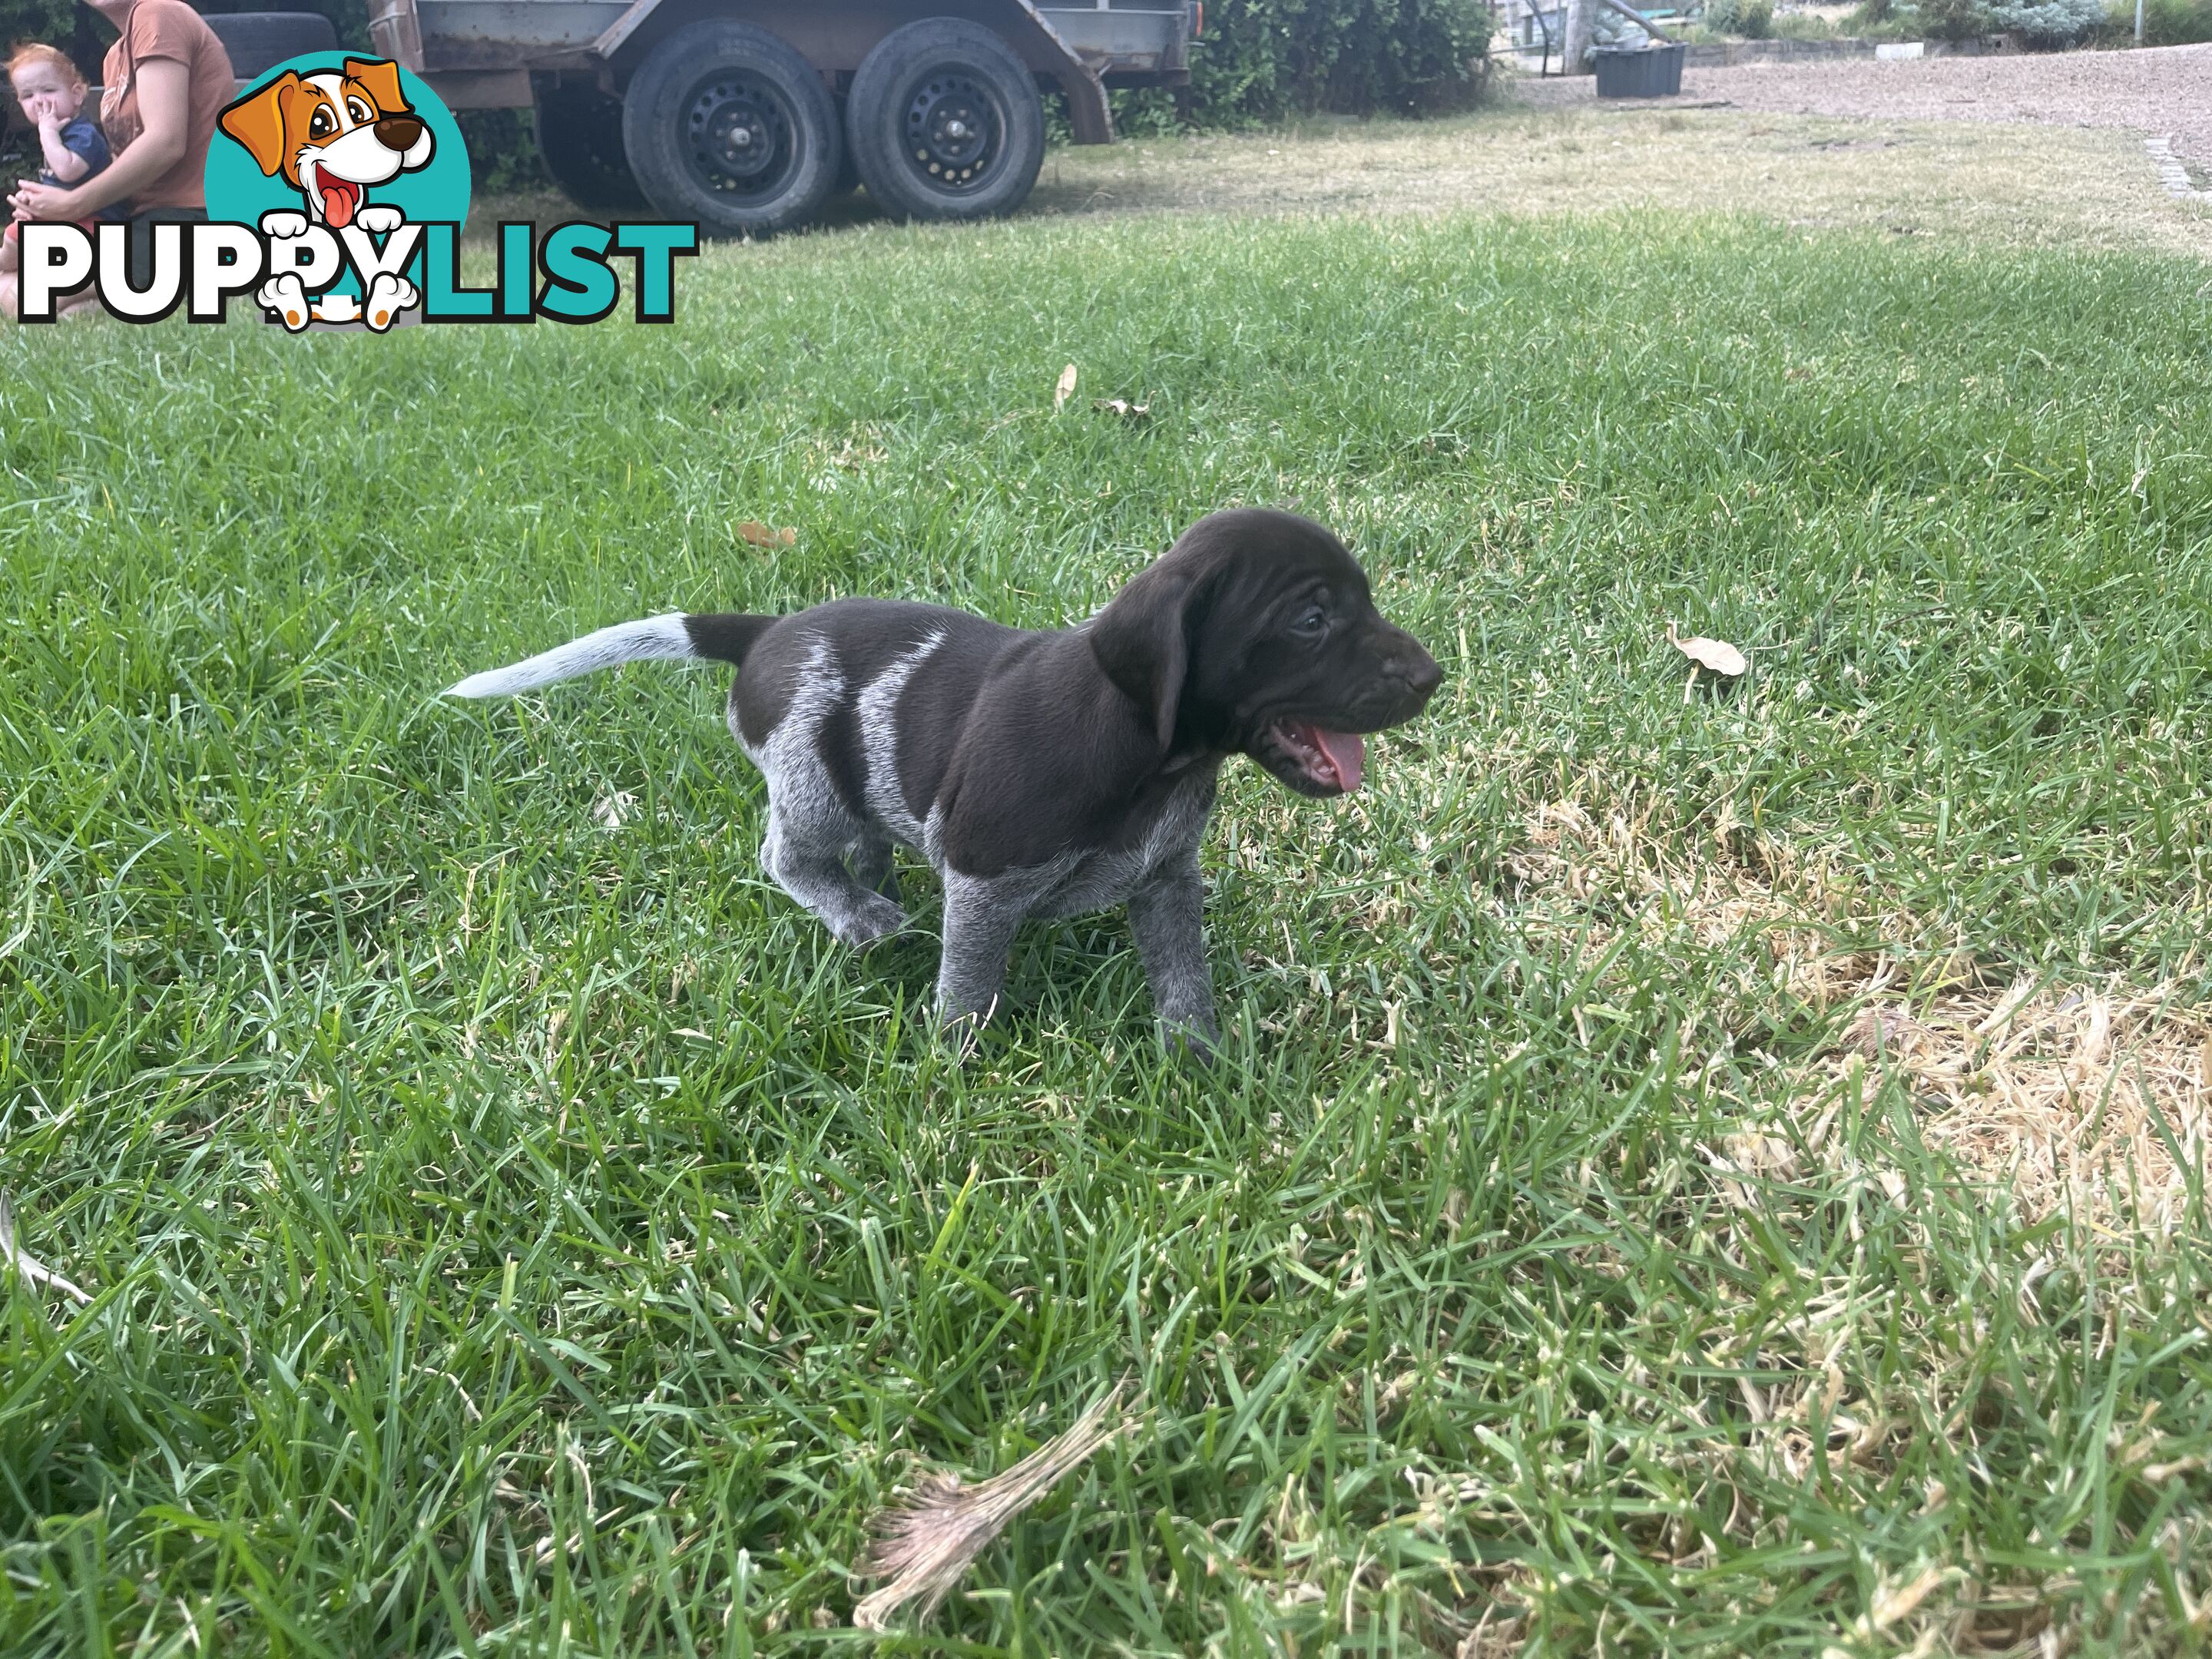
(2171, 172)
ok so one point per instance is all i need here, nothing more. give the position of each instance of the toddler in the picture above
(50, 91)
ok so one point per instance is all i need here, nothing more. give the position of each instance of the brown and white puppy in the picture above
(1043, 773)
(332, 135)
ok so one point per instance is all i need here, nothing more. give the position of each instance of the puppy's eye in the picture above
(1312, 624)
(361, 113)
(320, 125)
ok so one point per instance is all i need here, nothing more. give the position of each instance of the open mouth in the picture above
(1325, 762)
(341, 197)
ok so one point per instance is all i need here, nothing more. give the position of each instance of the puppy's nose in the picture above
(1422, 674)
(397, 132)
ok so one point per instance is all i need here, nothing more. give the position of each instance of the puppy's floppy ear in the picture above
(1142, 639)
(381, 78)
(257, 121)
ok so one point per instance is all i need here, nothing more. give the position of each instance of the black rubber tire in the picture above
(580, 136)
(257, 41)
(899, 97)
(849, 176)
(704, 84)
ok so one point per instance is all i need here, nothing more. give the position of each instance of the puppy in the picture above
(1043, 773)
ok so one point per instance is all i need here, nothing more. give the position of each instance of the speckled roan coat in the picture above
(1043, 773)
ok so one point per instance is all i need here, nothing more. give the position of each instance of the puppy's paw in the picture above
(285, 299)
(282, 227)
(337, 308)
(961, 1029)
(872, 917)
(1195, 1039)
(377, 219)
(388, 295)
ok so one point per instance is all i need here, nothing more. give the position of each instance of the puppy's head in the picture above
(1255, 635)
(332, 135)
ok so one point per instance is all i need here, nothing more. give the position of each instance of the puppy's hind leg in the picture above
(810, 867)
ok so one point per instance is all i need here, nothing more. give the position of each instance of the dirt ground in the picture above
(2014, 184)
(2162, 91)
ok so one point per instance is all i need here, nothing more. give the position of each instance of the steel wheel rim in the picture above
(953, 131)
(740, 136)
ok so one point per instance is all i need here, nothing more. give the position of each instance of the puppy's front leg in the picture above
(981, 915)
(1167, 916)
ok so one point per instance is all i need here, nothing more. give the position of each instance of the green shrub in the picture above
(1951, 20)
(1882, 19)
(2165, 22)
(76, 29)
(2048, 22)
(1261, 60)
(1802, 26)
(1753, 19)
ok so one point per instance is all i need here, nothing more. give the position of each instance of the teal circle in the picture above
(239, 192)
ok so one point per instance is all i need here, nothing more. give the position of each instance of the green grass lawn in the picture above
(513, 1227)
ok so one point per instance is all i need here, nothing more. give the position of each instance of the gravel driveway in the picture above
(2159, 90)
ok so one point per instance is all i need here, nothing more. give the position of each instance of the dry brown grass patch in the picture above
(2011, 186)
(1624, 868)
(2099, 1099)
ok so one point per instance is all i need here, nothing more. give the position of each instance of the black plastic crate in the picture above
(1651, 72)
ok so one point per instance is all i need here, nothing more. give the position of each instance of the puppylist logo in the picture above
(336, 189)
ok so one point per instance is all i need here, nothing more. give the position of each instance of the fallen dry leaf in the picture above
(612, 811)
(1876, 1031)
(1065, 390)
(924, 1547)
(753, 531)
(1718, 655)
(1123, 407)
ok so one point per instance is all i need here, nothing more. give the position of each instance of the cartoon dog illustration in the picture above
(332, 136)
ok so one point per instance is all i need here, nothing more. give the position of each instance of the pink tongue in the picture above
(337, 206)
(1345, 752)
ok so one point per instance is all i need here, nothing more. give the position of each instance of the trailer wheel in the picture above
(580, 136)
(726, 125)
(945, 122)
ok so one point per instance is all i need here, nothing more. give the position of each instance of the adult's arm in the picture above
(165, 128)
(64, 163)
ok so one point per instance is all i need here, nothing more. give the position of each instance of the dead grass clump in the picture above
(1627, 871)
(2102, 1101)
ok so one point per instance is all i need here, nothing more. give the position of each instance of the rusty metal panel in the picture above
(523, 24)
(1123, 39)
(506, 89)
(395, 31)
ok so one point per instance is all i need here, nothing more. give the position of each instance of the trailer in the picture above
(746, 116)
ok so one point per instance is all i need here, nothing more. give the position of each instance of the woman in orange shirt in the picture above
(167, 79)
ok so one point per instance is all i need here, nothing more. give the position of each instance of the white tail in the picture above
(629, 641)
